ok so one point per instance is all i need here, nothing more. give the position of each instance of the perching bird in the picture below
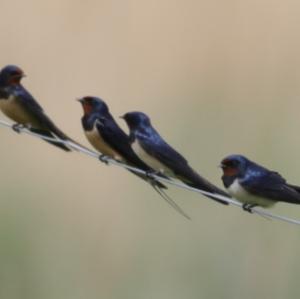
(156, 153)
(254, 185)
(19, 105)
(108, 138)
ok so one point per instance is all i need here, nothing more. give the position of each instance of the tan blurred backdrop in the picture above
(216, 77)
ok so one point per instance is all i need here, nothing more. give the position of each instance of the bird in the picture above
(105, 135)
(20, 106)
(151, 148)
(255, 185)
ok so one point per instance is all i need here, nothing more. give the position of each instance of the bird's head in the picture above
(93, 104)
(136, 119)
(11, 74)
(234, 166)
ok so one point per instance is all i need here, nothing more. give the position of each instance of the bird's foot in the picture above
(18, 127)
(104, 159)
(248, 207)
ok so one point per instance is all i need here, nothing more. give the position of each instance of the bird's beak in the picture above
(122, 116)
(23, 76)
(80, 100)
(221, 166)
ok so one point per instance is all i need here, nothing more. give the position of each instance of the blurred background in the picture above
(216, 77)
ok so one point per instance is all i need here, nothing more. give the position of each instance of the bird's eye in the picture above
(227, 163)
(16, 73)
(231, 163)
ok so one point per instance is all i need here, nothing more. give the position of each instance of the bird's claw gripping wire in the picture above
(18, 127)
(248, 207)
(104, 159)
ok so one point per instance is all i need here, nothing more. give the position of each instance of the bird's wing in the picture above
(27, 99)
(156, 147)
(270, 184)
(119, 141)
(37, 112)
(296, 188)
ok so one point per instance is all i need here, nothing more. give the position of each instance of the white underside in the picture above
(11, 108)
(238, 192)
(150, 161)
(100, 145)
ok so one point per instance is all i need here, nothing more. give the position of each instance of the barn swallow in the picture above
(255, 185)
(19, 105)
(159, 155)
(109, 139)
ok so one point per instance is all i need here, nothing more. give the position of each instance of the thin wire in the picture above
(256, 210)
